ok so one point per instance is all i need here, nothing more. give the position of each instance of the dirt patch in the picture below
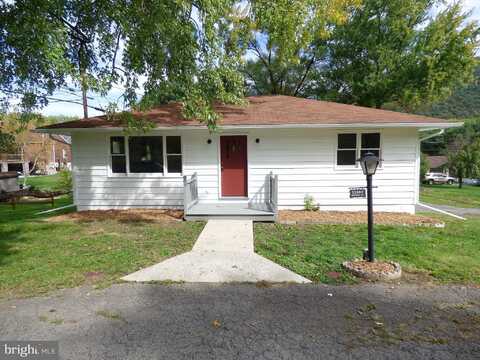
(355, 217)
(132, 215)
(92, 277)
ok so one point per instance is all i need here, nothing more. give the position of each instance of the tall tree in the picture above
(393, 51)
(285, 41)
(49, 48)
(175, 47)
(464, 161)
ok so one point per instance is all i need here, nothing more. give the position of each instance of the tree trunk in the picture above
(460, 182)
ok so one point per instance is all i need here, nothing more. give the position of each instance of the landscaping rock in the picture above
(375, 271)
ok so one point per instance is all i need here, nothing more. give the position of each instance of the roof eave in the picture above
(419, 125)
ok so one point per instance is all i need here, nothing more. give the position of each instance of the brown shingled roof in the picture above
(265, 110)
(437, 161)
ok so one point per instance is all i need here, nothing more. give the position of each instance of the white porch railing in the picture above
(272, 192)
(190, 192)
(266, 210)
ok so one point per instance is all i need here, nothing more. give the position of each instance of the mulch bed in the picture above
(355, 217)
(133, 215)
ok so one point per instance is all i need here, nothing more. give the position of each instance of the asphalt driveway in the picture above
(464, 212)
(187, 321)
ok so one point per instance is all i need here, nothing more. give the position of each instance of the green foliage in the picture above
(65, 182)
(465, 161)
(7, 143)
(178, 47)
(309, 203)
(394, 52)
(453, 138)
(370, 52)
(287, 41)
(463, 103)
(424, 166)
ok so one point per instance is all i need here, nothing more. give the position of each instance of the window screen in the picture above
(174, 154)
(145, 154)
(117, 151)
(347, 149)
(370, 143)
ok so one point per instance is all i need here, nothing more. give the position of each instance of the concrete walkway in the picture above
(223, 252)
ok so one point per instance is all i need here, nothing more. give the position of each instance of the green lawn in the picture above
(46, 182)
(466, 197)
(451, 254)
(37, 256)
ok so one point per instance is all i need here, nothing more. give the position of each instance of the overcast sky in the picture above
(77, 110)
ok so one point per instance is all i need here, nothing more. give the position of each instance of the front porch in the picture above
(265, 210)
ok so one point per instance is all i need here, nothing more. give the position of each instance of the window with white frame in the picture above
(347, 149)
(370, 144)
(351, 146)
(146, 154)
(117, 152)
(174, 154)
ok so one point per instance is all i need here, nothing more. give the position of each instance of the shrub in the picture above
(309, 203)
(65, 182)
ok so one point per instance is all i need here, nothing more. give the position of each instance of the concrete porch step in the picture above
(228, 211)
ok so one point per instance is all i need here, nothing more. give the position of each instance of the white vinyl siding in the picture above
(303, 159)
(97, 188)
(305, 162)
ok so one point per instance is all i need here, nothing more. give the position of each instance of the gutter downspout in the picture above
(417, 163)
(440, 132)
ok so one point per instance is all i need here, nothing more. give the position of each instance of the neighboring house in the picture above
(39, 153)
(438, 164)
(310, 147)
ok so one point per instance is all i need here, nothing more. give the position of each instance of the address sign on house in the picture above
(358, 192)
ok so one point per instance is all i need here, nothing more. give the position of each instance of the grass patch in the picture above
(448, 255)
(44, 182)
(53, 321)
(110, 315)
(37, 256)
(466, 197)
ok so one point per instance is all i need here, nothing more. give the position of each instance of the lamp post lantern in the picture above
(369, 163)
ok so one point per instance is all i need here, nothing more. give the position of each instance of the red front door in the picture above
(233, 162)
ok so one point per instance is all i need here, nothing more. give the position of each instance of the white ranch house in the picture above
(268, 155)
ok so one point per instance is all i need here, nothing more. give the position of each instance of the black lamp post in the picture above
(369, 164)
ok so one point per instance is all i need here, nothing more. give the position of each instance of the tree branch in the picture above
(75, 102)
(75, 32)
(253, 80)
(267, 64)
(307, 70)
